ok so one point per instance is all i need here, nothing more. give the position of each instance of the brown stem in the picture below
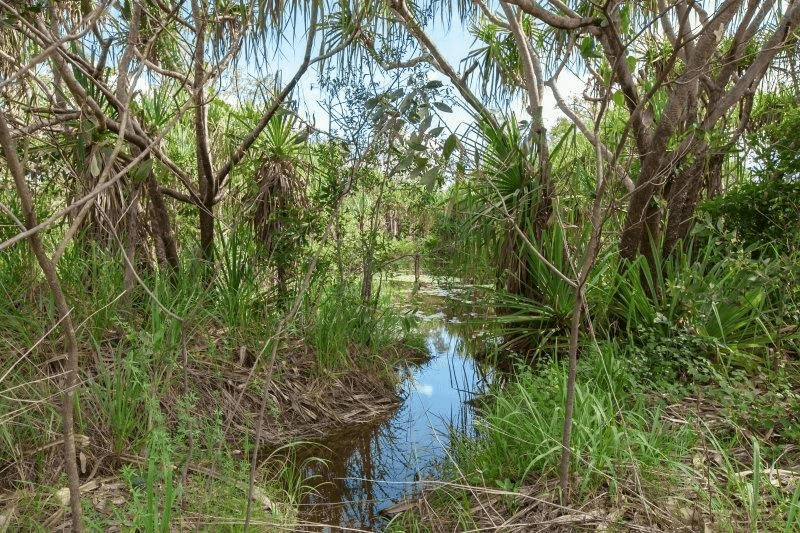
(49, 271)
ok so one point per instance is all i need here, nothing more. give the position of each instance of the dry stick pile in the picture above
(303, 407)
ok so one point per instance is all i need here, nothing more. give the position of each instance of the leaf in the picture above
(443, 107)
(141, 170)
(94, 165)
(449, 146)
(433, 84)
(625, 18)
(436, 131)
(631, 63)
(429, 178)
(587, 46)
(426, 123)
(405, 105)
(405, 163)
(619, 98)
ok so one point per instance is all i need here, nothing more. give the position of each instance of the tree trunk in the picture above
(166, 249)
(205, 172)
(416, 272)
(131, 239)
(366, 280)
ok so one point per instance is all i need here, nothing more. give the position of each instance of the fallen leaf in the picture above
(62, 495)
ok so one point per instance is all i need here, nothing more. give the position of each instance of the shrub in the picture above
(761, 213)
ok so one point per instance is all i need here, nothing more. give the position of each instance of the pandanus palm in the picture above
(506, 206)
(281, 199)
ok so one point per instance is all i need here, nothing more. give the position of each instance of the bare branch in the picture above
(606, 153)
(251, 137)
(50, 274)
(490, 16)
(557, 21)
(755, 72)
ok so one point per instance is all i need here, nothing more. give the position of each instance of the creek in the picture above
(372, 467)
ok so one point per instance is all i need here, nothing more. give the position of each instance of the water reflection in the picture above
(370, 468)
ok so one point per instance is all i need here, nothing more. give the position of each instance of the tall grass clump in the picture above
(615, 437)
(342, 325)
(239, 297)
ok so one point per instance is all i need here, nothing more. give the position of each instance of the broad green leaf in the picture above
(619, 98)
(587, 46)
(443, 107)
(429, 178)
(449, 146)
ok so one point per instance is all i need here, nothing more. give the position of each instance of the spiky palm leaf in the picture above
(280, 181)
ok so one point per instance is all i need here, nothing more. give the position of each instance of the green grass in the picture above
(628, 448)
(340, 325)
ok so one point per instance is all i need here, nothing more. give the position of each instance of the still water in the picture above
(371, 468)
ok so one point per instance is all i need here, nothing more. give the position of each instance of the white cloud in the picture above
(569, 86)
(427, 390)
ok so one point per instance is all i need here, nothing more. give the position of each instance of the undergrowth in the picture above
(155, 450)
(686, 404)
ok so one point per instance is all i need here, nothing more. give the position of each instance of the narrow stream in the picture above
(373, 467)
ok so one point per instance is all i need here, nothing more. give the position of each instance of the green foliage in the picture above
(120, 390)
(342, 325)
(238, 288)
(667, 357)
(520, 429)
(763, 213)
(154, 490)
(774, 124)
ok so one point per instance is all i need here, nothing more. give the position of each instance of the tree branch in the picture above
(400, 9)
(557, 21)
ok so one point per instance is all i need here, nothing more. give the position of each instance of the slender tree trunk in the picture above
(589, 259)
(161, 225)
(416, 272)
(123, 94)
(131, 239)
(49, 270)
(337, 231)
(569, 403)
(366, 280)
(205, 172)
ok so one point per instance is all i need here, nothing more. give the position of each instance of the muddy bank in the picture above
(302, 403)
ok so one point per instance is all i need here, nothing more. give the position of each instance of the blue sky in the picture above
(454, 42)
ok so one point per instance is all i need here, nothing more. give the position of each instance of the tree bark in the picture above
(161, 226)
(205, 172)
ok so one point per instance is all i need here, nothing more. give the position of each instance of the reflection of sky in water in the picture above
(381, 465)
